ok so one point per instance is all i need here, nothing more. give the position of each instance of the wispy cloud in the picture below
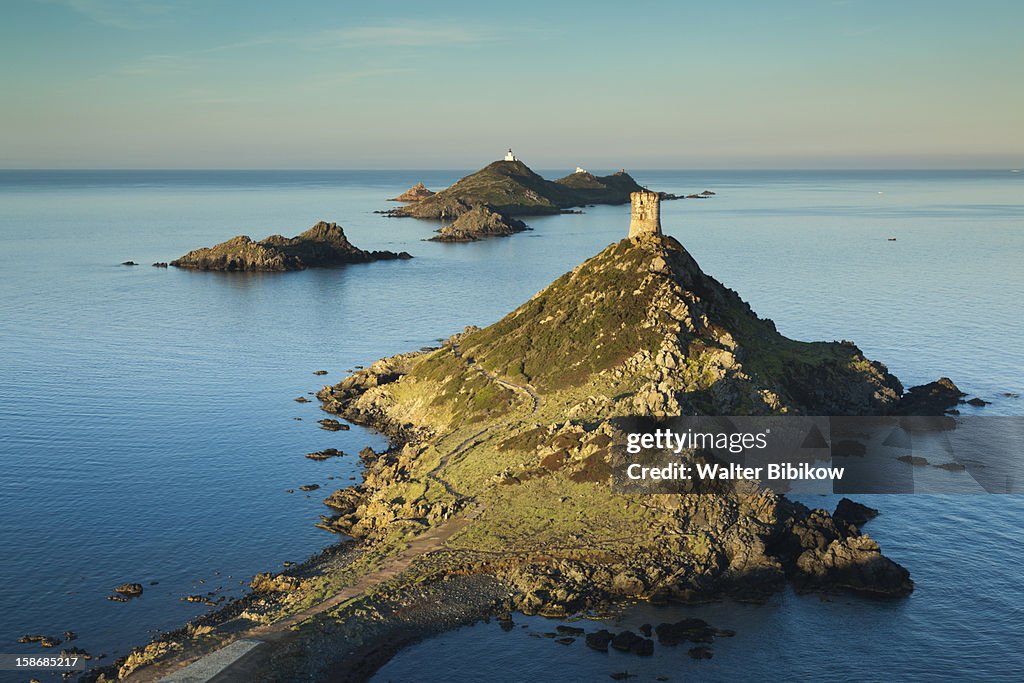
(408, 34)
(152, 65)
(126, 14)
(404, 34)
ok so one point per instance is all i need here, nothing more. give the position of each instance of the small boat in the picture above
(892, 239)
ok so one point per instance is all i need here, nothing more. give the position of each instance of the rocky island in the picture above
(511, 188)
(323, 245)
(515, 423)
(478, 223)
(497, 495)
(417, 192)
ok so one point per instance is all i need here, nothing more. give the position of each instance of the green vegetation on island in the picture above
(512, 189)
(514, 426)
(497, 495)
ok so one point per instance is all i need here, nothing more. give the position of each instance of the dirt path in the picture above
(239, 660)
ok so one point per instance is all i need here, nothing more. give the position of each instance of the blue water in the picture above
(146, 415)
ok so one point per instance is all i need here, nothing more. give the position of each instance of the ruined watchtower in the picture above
(646, 216)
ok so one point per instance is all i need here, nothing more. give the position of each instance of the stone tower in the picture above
(646, 216)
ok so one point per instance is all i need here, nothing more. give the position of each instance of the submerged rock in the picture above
(325, 454)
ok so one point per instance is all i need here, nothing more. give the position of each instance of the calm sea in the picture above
(147, 421)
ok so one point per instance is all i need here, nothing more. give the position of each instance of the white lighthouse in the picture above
(509, 156)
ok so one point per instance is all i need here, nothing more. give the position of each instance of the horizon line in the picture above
(454, 168)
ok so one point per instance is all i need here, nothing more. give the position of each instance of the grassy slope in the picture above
(543, 475)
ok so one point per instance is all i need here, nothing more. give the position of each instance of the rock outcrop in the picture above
(478, 223)
(417, 192)
(323, 245)
(934, 398)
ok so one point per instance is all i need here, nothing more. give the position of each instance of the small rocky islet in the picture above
(478, 223)
(416, 193)
(323, 245)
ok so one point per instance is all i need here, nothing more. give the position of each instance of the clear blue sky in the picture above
(302, 84)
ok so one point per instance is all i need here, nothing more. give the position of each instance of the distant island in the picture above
(511, 188)
(323, 245)
(488, 200)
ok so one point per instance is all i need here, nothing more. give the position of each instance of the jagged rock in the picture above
(853, 563)
(417, 192)
(599, 640)
(850, 512)
(477, 223)
(44, 641)
(934, 398)
(325, 454)
(131, 590)
(690, 629)
(325, 244)
(333, 425)
(625, 641)
(268, 583)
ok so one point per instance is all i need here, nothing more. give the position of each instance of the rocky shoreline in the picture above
(495, 495)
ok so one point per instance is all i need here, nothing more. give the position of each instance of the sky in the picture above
(347, 85)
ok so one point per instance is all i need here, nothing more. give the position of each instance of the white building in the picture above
(580, 170)
(510, 156)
